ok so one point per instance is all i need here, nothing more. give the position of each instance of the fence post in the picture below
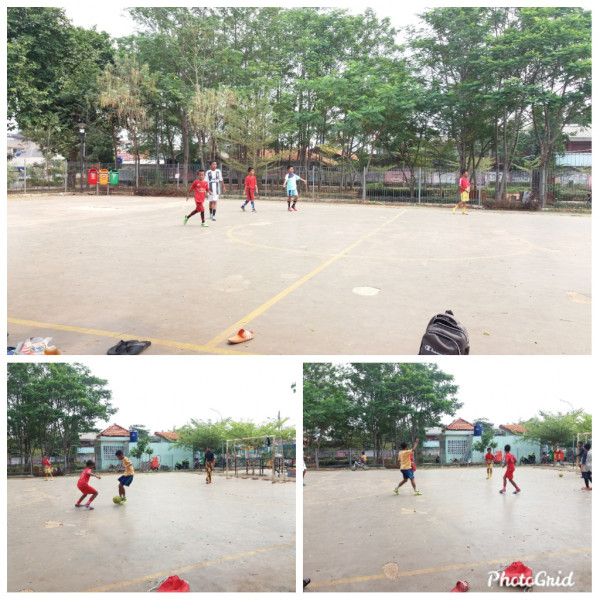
(66, 174)
(137, 173)
(543, 188)
(313, 182)
(364, 186)
(479, 187)
(419, 185)
(25, 176)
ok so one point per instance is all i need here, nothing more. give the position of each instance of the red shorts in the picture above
(509, 473)
(199, 206)
(250, 194)
(86, 488)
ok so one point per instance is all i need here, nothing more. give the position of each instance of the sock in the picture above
(192, 213)
(251, 203)
(214, 211)
(289, 203)
(202, 216)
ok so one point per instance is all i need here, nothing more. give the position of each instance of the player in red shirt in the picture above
(509, 461)
(464, 187)
(200, 188)
(251, 186)
(47, 468)
(489, 461)
(84, 485)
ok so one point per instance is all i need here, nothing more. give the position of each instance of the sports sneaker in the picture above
(289, 209)
(123, 500)
(517, 491)
(454, 209)
(79, 505)
(294, 208)
(253, 210)
(417, 493)
(242, 207)
(395, 490)
(89, 507)
(185, 219)
(583, 488)
(503, 491)
(204, 224)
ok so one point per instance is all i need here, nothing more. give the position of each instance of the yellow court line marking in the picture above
(447, 568)
(120, 336)
(177, 571)
(529, 246)
(272, 301)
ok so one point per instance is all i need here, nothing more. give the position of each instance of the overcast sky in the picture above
(508, 389)
(114, 19)
(163, 392)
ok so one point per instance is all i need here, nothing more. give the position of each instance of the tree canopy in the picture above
(378, 405)
(49, 405)
(194, 81)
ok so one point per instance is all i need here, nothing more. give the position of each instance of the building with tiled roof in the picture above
(514, 429)
(460, 425)
(114, 430)
(169, 436)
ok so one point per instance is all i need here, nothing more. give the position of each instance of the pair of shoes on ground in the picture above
(128, 347)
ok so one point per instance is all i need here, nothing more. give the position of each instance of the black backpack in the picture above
(445, 335)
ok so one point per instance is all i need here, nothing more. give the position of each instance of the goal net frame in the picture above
(254, 455)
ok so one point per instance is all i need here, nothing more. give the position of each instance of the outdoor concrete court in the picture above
(234, 535)
(360, 537)
(91, 270)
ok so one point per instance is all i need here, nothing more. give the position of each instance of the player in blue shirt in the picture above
(289, 184)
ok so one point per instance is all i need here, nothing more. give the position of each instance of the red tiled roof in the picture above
(170, 436)
(460, 425)
(518, 428)
(114, 430)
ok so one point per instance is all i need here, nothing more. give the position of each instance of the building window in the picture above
(108, 452)
(457, 446)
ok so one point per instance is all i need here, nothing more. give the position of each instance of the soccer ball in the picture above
(560, 474)
(117, 500)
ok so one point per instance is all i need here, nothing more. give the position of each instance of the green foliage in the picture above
(50, 404)
(267, 82)
(486, 441)
(52, 68)
(557, 428)
(374, 404)
(198, 435)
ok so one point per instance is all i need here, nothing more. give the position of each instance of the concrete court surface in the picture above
(330, 279)
(234, 535)
(361, 537)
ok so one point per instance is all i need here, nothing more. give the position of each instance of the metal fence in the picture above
(343, 183)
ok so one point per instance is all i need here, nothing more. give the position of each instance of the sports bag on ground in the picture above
(445, 335)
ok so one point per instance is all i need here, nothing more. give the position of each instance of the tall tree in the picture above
(51, 404)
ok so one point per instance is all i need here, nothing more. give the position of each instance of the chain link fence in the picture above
(567, 186)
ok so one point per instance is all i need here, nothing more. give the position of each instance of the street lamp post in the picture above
(81, 127)
(221, 420)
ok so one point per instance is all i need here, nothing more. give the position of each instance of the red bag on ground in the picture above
(174, 584)
(518, 574)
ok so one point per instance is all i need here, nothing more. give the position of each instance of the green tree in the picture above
(50, 404)
(328, 413)
(485, 441)
(556, 428)
(399, 401)
(52, 68)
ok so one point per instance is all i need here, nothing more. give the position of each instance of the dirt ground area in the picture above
(235, 535)
(359, 536)
(330, 279)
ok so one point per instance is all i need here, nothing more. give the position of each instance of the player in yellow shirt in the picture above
(127, 478)
(406, 467)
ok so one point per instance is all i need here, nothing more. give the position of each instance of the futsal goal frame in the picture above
(252, 466)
